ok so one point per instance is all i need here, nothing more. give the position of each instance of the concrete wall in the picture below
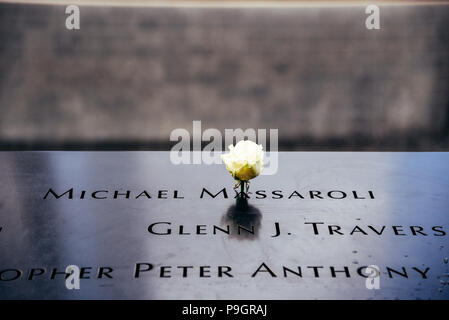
(132, 75)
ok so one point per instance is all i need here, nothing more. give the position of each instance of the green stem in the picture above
(242, 187)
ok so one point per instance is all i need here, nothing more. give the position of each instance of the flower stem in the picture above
(242, 187)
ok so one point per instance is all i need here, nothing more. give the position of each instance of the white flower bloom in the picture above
(245, 160)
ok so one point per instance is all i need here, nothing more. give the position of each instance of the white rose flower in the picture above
(244, 161)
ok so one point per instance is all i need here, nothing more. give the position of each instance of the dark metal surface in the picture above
(410, 189)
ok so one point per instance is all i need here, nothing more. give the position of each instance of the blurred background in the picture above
(133, 73)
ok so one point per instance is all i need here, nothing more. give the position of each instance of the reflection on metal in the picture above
(243, 219)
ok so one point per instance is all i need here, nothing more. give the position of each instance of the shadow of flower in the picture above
(243, 219)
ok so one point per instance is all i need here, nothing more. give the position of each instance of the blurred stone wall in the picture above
(130, 76)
